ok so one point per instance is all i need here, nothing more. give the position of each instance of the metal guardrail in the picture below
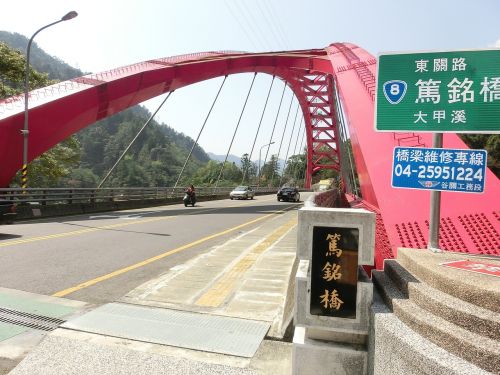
(92, 195)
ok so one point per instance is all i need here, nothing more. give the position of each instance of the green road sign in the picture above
(440, 92)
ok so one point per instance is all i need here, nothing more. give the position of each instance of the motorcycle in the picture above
(189, 198)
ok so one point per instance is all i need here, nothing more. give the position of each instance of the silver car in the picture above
(242, 192)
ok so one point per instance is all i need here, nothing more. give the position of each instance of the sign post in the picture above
(433, 245)
(439, 92)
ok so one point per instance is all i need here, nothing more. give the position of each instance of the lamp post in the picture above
(25, 131)
(260, 150)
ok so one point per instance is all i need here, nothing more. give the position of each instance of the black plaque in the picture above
(334, 271)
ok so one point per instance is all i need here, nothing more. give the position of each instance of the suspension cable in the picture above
(346, 149)
(344, 158)
(258, 128)
(304, 175)
(133, 140)
(296, 169)
(289, 143)
(235, 130)
(282, 136)
(272, 132)
(199, 134)
(295, 148)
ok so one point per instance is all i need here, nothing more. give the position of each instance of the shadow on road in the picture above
(117, 230)
(198, 209)
(5, 236)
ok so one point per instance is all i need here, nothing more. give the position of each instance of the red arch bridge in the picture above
(331, 84)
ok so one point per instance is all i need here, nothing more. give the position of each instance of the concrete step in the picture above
(386, 288)
(464, 314)
(479, 350)
(463, 329)
(398, 349)
(474, 288)
(399, 275)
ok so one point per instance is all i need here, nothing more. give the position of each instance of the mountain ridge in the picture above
(156, 157)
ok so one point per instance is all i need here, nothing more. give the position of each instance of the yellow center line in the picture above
(108, 276)
(101, 228)
(216, 295)
(82, 231)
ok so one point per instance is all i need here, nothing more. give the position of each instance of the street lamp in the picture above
(269, 144)
(25, 131)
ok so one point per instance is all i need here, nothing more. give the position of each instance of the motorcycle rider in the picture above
(190, 191)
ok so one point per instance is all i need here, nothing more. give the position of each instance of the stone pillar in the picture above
(333, 292)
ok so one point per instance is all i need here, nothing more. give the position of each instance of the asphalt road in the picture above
(99, 258)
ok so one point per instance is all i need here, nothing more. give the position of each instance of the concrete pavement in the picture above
(238, 290)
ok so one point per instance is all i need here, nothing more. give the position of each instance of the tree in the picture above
(269, 172)
(82, 178)
(12, 69)
(55, 164)
(208, 174)
(295, 169)
(48, 169)
(249, 169)
(232, 174)
(488, 142)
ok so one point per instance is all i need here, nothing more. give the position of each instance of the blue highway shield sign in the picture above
(394, 91)
(439, 169)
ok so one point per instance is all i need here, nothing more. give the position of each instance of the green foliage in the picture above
(295, 170)
(39, 59)
(82, 178)
(269, 174)
(248, 168)
(488, 142)
(13, 70)
(208, 175)
(49, 168)
(153, 159)
(231, 172)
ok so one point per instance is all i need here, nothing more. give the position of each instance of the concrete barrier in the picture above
(36, 211)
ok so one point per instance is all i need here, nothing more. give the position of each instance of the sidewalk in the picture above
(224, 312)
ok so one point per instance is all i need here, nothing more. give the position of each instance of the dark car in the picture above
(7, 211)
(288, 194)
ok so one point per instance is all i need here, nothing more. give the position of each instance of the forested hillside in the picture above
(82, 161)
(155, 158)
(39, 59)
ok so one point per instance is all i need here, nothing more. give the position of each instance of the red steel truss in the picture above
(470, 222)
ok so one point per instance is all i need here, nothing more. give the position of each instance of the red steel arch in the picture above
(60, 110)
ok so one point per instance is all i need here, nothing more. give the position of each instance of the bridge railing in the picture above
(43, 196)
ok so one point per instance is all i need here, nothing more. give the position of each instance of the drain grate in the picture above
(183, 329)
(43, 323)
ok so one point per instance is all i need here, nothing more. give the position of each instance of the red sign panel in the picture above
(467, 265)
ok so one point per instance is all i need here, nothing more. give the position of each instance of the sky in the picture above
(109, 34)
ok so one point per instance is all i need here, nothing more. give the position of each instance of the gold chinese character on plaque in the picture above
(331, 271)
(332, 245)
(331, 300)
